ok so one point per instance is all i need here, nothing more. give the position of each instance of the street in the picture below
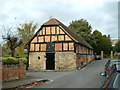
(88, 77)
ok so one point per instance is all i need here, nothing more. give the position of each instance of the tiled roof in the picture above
(73, 35)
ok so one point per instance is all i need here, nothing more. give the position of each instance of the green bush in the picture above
(9, 60)
(17, 56)
(12, 60)
(4, 60)
(7, 56)
(24, 56)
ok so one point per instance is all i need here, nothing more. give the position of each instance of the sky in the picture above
(102, 15)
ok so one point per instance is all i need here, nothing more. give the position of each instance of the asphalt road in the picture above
(88, 77)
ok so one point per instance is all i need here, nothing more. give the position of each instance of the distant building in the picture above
(114, 41)
(56, 47)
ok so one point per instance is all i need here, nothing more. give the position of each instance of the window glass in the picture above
(115, 62)
(116, 83)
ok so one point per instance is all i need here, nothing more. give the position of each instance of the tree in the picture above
(106, 44)
(102, 43)
(117, 46)
(26, 32)
(82, 28)
(5, 49)
(98, 41)
(13, 42)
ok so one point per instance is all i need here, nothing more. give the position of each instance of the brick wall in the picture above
(13, 72)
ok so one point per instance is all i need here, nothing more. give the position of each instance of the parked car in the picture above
(97, 57)
(113, 81)
(108, 66)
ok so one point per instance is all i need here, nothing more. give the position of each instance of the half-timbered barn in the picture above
(55, 47)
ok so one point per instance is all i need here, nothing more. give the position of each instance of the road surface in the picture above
(88, 77)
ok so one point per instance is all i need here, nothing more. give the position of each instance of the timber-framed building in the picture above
(56, 47)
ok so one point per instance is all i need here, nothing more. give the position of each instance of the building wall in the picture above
(37, 61)
(84, 55)
(65, 60)
(83, 60)
(51, 35)
(114, 41)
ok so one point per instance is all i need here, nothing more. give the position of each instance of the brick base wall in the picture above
(13, 72)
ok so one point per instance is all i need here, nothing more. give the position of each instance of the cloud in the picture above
(101, 15)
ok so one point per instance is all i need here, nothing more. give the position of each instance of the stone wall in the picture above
(65, 60)
(37, 61)
(83, 60)
(13, 72)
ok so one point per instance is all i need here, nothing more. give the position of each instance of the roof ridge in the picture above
(56, 20)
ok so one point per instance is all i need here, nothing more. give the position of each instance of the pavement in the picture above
(88, 77)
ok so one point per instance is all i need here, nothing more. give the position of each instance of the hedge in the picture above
(21, 56)
(7, 56)
(12, 60)
(17, 56)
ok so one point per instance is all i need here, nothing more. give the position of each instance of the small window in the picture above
(38, 57)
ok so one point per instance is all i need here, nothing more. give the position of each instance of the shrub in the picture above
(7, 56)
(12, 60)
(4, 60)
(24, 56)
(17, 56)
(9, 60)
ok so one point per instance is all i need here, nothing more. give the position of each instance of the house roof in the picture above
(73, 35)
